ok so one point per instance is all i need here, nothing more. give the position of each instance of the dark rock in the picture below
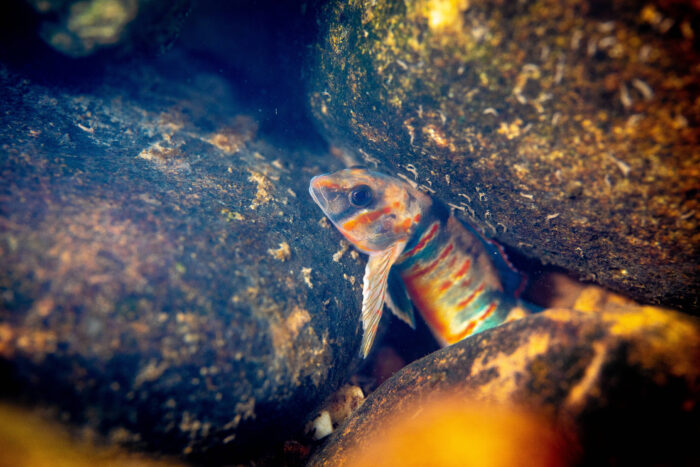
(566, 130)
(165, 279)
(625, 380)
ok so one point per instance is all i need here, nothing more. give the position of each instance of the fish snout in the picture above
(317, 192)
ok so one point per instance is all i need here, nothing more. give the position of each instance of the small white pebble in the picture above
(322, 425)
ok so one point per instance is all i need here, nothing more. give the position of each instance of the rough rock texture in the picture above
(625, 380)
(164, 273)
(79, 28)
(567, 130)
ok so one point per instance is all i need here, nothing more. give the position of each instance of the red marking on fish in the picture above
(365, 218)
(423, 241)
(433, 265)
(463, 270)
(492, 307)
(403, 227)
(466, 332)
(471, 297)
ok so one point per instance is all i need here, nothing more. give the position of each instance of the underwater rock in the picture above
(566, 130)
(166, 280)
(79, 28)
(30, 438)
(454, 431)
(624, 381)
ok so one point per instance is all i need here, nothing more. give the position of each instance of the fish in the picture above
(420, 256)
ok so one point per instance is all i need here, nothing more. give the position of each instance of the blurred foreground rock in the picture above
(30, 439)
(164, 274)
(624, 381)
(453, 431)
(569, 131)
(79, 28)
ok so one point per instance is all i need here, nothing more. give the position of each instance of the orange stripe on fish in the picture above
(492, 307)
(431, 266)
(461, 335)
(403, 226)
(365, 218)
(471, 297)
(463, 270)
(445, 285)
(452, 262)
(424, 240)
(327, 184)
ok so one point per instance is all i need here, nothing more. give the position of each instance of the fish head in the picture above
(372, 210)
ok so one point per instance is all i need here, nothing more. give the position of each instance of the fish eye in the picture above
(361, 196)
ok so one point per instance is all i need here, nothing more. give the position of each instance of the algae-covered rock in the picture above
(79, 28)
(567, 130)
(624, 380)
(165, 279)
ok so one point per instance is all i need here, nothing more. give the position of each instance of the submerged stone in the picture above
(566, 130)
(165, 279)
(623, 380)
(80, 28)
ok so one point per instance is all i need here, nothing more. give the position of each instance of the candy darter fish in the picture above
(418, 255)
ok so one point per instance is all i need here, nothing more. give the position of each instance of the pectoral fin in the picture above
(398, 301)
(374, 291)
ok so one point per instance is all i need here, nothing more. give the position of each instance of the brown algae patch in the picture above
(283, 253)
(263, 188)
(231, 139)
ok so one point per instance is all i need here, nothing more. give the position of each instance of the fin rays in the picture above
(374, 291)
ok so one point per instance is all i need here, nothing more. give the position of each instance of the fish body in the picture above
(419, 254)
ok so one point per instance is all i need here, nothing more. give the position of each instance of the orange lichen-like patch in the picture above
(508, 365)
(666, 332)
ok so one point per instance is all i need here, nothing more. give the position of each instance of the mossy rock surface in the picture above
(166, 279)
(569, 131)
(624, 380)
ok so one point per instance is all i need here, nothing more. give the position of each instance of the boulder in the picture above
(166, 280)
(565, 130)
(623, 381)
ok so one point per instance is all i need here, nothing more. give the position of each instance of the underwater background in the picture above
(170, 293)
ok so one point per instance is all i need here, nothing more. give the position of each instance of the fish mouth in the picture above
(317, 192)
